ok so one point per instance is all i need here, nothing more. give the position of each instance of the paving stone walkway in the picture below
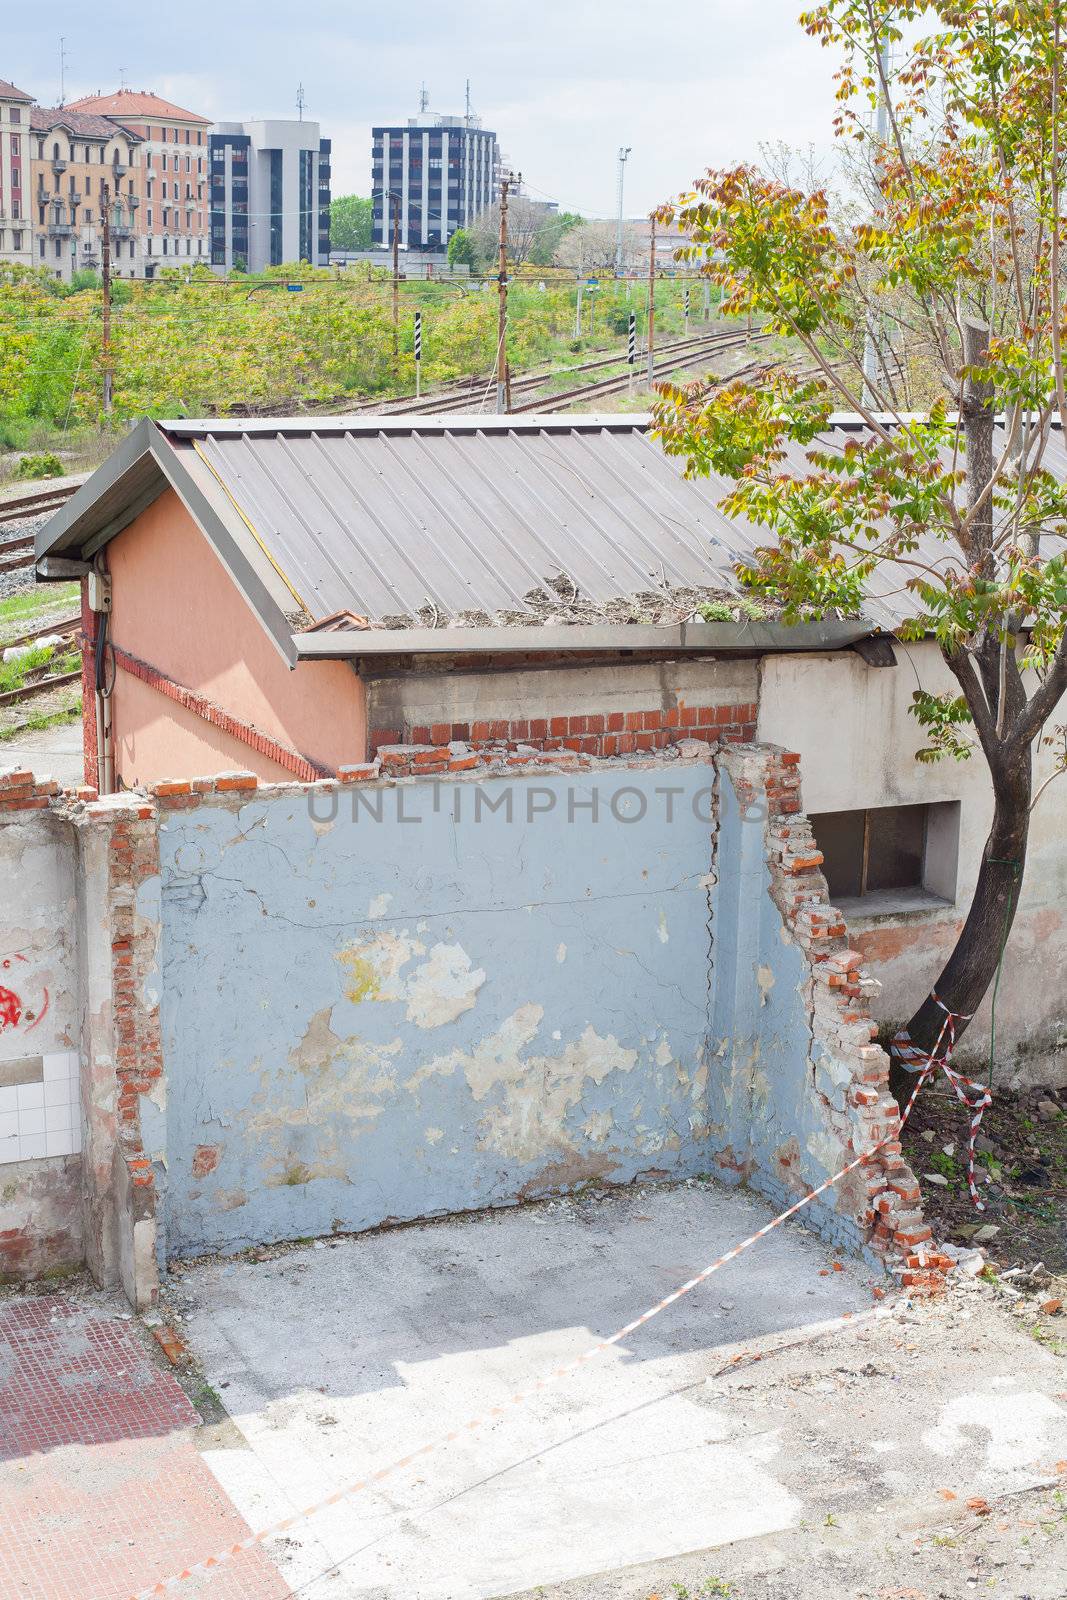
(102, 1487)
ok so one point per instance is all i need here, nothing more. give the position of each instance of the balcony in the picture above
(133, 201)
(119, 168)
(122, 230)
(60, 230)
(58, 166)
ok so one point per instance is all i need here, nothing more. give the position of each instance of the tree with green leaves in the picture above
(351, 223)
(930, 301)
(461, 251)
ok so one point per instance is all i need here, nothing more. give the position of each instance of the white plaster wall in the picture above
(39, 1112)
(857, 739)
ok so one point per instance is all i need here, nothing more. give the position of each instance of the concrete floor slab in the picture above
(337, 1358)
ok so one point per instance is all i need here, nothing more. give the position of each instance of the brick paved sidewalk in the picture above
(102, 1489)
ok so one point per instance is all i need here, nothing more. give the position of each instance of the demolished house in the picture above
(449, 849)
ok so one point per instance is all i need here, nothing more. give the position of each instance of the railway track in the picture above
(13, 697)
(470, 393)
(63, 626)
(25, 506)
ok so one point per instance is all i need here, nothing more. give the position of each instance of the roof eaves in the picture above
(73, 526)
(765, 637)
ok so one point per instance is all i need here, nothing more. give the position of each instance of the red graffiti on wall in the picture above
(12, 1007)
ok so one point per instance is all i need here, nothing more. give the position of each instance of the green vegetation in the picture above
(190, 343)
(461, 251)
(351, 223)
(22, 607)
(16, 672)
(46, 464)
(36, 721)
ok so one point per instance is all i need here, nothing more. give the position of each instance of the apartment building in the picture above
(16, 242)
(78, 162)
(174, 160)
(269, 194)
(440, 171)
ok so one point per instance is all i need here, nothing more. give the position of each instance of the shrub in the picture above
(45, 465)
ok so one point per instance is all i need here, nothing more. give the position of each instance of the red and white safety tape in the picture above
(974, 1096)
(358, 1485)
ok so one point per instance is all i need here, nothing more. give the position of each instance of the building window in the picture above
(890, 851)
(16, 147)
(16, 114)
(16, 238)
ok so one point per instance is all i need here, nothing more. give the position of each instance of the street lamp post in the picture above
(624, 151)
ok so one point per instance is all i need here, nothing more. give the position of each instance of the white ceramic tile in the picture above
(8, 1101)
(61, 1143)
(57, 1093)
(9, 1124)
(29, 1096)
(9, 1149)
(55, 1118)
(31, 1146)
(31, 1121)
(60, 1064)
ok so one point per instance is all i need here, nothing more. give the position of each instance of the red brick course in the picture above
(593, 734)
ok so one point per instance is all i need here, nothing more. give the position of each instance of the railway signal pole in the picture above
(105, 278)
(631, 348)
(685, 303)
(418, 354)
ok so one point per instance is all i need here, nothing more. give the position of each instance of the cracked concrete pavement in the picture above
(748, 1436)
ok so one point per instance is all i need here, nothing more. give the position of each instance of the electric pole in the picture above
(651, 300)
(105, 276)
(396, 276)
(624, 151)
(502, 298)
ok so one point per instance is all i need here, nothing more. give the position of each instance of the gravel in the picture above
(23, 579)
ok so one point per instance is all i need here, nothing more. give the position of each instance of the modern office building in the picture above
(440, 171)
(16, 241)
(173, 220)
(79, 160)
(270, 195)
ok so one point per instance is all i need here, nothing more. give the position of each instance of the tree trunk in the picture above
(971, 967)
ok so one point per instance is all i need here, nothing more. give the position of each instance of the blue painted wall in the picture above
(389, 1017)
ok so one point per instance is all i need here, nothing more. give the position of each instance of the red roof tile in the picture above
(136, 103)
(9, 92)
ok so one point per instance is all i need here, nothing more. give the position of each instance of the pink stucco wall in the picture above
(175, 606)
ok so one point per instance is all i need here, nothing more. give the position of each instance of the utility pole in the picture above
(105, 275)
(651, 300)
(578, 308)
(624, 151)
(506, 181)
(300, 101)
(870, 340)
(707, 301)
(62, 69)
(396, 275)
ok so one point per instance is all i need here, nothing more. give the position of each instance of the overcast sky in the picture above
(563, 82)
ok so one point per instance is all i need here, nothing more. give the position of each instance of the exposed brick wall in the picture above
(856, 1097)
(291, 760)
(614, 733)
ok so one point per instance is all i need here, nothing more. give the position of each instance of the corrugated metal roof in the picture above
(499, 519)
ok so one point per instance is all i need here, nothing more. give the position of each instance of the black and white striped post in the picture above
(686, 305)
(631, 347)
(418, 354)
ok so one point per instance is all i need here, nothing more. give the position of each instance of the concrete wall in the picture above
(448, 1008)
(299, 1009)
(40, 1118)
(203, 635)
(857, 742)
(406, 702)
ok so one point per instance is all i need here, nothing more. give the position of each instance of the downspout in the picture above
(100, 605)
